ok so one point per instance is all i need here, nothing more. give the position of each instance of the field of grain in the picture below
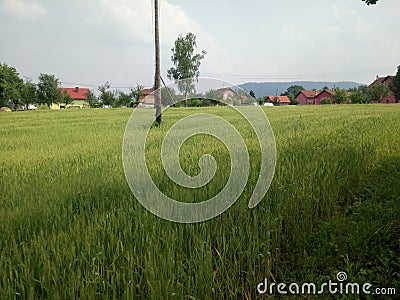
(70, 227)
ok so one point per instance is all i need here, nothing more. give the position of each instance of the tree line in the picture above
(16, 92)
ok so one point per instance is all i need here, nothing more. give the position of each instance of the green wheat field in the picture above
(70, 228)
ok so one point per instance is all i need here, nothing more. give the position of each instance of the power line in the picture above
(96, 86)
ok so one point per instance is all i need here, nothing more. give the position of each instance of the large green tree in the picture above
(10, 85)
(186, 64)
(48, 92)
(124, 99)
(395, 85)
(28, 93)
(359, 94)
(292, 92)
(340, 96)
(107, 97)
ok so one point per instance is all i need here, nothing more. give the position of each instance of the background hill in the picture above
(262, 89)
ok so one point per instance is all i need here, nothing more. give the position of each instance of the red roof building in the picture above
(77, 93)
(283, 100)
(147, 94)
(386, 81)
(306, 97)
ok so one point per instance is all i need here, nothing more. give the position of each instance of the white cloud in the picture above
(133, 19)
(24, 10)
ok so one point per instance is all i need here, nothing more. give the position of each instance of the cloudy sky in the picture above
(90, 42)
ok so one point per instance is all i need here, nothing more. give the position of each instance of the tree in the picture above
(137, 92)
(378, 92)
(359, 94)
(91, 99)
(358, 97)
(292, 92)
(340, 96)
(124, 99)
(252, 94)
(28, 93)
(107, 97)
(213, 97)
(48, 92)
(326, 101)
(10, 85)
(395, 85)
(65, 98)
(186, 64)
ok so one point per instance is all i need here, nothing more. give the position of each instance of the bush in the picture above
(326, 101)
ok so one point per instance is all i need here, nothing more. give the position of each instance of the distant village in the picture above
(382, 90)
(303, 97)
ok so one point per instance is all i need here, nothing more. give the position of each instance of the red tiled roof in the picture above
(77, 93)
(146, 92)
(282, 99)
(309, 93)
(381, 80)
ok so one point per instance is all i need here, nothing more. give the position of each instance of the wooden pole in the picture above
(157, 78)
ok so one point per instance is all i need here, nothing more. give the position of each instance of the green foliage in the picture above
(28, 93)
(65, 98)
(293, 90)
(47, 89)
(92, 99)
(395, 85)
(358, 97)
(252, 94)
(124, 99)
(326, 101)
(137, 91)
(378, 92)
(107, 97)
(340, 96)
(291, 93)
(10, 85)
(186, 64)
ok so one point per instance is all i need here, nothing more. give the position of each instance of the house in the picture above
(329, 95)
(324, 94)
(307, 97)
(147, 96)
(283, 100)
(227, 93)
(77, 94)
(386, 81)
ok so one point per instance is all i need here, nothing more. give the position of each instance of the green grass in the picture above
(70, 227)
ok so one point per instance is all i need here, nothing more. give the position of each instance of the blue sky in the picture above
(93, 41)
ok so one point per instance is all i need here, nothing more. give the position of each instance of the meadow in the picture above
(70, 227)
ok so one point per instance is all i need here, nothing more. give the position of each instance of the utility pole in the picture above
(157, 78)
